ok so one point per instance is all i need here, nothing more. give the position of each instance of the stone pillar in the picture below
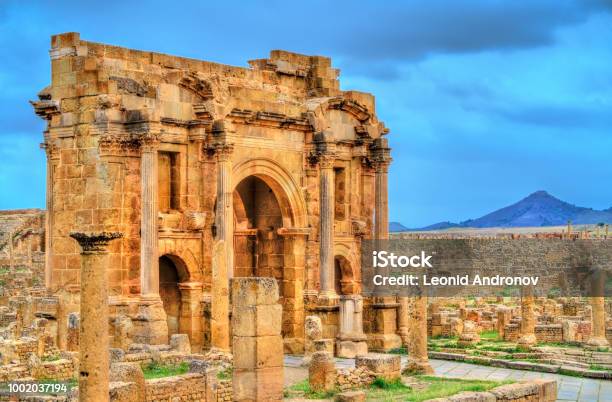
(219, 308)
(93, 336)
(351, 340)
(154, 328)
(402, 319)
(527, 331)
(257, 341)
(326, 231)
(224, 214)
(418, 361)
(294, 244)
(385, 307)
(11, 250)
(598, 321)
(381, 208)
(504, 315)
(190, 321)
(49, 217)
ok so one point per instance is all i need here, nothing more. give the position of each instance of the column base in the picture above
(151, 325)
(418, 367)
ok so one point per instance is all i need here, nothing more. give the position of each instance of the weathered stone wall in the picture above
(186, 387)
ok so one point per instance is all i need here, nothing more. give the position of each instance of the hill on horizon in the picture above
(537, 209)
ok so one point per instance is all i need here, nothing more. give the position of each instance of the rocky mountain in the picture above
(537, 209)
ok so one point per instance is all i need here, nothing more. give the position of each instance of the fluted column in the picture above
(149, 259)
(326, 245)
(381, 201)
(93, 333)
(48, 217)
(224, 215)
(402, 319)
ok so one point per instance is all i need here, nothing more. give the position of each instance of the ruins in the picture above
(210, 219)
(289, 171)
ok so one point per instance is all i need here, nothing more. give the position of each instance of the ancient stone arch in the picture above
(283, 185)
(347, 264)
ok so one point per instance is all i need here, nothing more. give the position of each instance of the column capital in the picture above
(92, 242)
(149, 142)
(224, 151)
(381, 154)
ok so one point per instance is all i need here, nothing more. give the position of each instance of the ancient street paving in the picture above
(569, 388)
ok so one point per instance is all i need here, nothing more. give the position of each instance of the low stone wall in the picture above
(186, 387)
(549, 333)
(223, 391)
(352, 378)
(60, 370)
(531, 391)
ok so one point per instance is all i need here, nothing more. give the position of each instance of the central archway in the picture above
(269, 237)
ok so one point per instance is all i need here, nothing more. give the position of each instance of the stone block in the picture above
(258, 320)
(257, 352)
(322, 372)
(383, 365)
(351, 349)
(254, 291)
(351, 396)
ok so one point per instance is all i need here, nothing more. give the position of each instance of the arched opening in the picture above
(171, 273)
(258, 248)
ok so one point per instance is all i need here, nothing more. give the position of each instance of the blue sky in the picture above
(487, 101)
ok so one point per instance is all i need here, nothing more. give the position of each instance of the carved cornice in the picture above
(149, 142)
(197, 85)
(270, 119)
(92, 242)
(110, 144)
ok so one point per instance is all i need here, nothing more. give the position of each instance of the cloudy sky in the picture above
(487, 101)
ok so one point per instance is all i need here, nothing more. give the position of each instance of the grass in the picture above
(303, 388)
(156, 370)
(437, 387)
(4, 271)
(399, 351)
(51, 358)
(396, 390)
(597, 367)
(491, 336)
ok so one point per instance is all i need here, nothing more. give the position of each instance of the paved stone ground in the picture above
(569, 388)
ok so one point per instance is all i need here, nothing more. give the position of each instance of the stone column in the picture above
(326, 231)
(257, 341)
(527, 332)
(149, 258)
(11, 249)
(219, 308)
(385, 306)
(598, 313)
(418, 361)
(154, 328)
(93, 336)
(224, 214)
(402, 319)
(49, 217)
(382, 160)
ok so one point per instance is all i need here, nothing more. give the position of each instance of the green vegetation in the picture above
(597, 367)
(225, 374)
(303, 388)
(396, 390)
(435, 387)
(156, 370)
(51, 358)
(491, 336)
(399, 351)
(4, 271)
